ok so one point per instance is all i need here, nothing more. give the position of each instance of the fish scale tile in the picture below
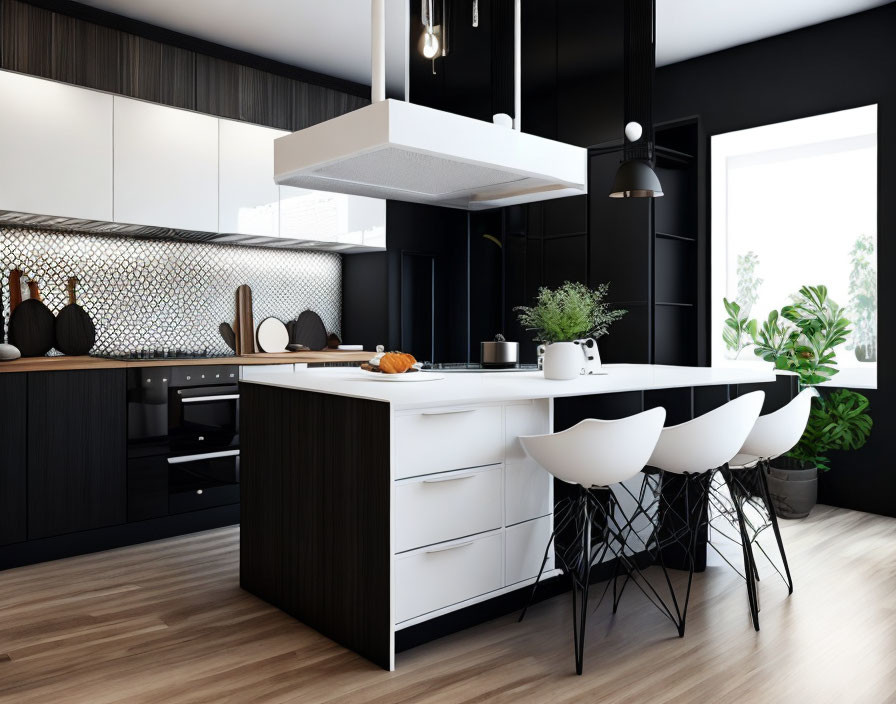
(155, 293)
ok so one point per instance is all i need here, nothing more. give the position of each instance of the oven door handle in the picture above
(203, 456)
(203, 399)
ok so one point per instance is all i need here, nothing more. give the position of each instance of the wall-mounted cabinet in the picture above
(165, 166)
(90, 159)
(56, 147)
(338, 218)
(248, 198)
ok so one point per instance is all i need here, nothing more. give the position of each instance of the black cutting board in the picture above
(75, 331)
(32, 327)
(309, 330)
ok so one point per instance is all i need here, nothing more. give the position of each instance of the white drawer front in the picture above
(525, 546)
(253, 371)
(442, 507)
(528, 492)
(443, 575)
(441, 440)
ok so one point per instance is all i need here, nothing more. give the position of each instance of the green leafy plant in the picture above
(739, 329)
(748, 282)
(803, 338)
(771, 340)
(570, 312)
(863, 299)
(838, 421)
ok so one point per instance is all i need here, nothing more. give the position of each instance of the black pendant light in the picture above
(635, 177)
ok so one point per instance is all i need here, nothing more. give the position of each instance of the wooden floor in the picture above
(167, 622)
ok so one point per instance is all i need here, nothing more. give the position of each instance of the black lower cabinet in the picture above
(77, 477)
(13, 528)
(147, 488)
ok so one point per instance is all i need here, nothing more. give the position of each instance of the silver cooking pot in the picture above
(499, 353)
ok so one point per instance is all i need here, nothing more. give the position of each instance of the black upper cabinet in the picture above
(76, 451)
(153, 64)
(12, 458)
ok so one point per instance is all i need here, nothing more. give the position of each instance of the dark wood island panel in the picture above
(315, 490)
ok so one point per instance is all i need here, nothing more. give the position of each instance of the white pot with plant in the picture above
(568, 321)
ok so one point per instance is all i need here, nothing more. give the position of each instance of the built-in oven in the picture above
(203, 410)
(183, 439)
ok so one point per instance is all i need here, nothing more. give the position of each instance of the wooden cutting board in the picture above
(244, 328)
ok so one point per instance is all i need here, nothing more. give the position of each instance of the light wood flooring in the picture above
(167, 622)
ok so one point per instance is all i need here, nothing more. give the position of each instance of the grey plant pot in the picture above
(792, 487)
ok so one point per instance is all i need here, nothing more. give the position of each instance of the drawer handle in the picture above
(448, 413)
(203, 456)
(204, 399)
(445, 548)
(439, 480)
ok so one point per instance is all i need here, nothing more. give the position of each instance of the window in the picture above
(793, 204)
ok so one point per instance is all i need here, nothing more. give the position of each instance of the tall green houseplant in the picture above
(802, 338)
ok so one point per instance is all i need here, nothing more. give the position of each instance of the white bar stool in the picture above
(593, 454)
(772, 436)
(694, 450)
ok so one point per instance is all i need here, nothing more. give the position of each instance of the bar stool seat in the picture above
(592, 456)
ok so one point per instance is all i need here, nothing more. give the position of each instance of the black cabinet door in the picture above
(12, 458)
(76, 451)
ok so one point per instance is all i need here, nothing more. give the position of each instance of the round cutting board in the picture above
(272, 336)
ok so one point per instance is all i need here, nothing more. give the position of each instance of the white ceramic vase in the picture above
(562, 361)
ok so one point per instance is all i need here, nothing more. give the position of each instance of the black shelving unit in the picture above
(676, 251)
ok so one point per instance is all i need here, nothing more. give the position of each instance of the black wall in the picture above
(413, 297)
(841, 64)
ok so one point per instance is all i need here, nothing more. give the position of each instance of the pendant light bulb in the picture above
(430, 44)
(633, 131)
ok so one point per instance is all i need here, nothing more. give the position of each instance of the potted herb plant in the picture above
(563, 316)
(802, 338)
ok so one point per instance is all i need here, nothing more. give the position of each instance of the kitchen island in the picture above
(369, 507)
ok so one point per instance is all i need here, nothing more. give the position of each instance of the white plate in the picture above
(353, 348)
(272, 335)
(413, 376)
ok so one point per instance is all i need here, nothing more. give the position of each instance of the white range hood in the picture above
(400, 151)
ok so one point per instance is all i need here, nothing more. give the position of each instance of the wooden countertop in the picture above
(63, 363)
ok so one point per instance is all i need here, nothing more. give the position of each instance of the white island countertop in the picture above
(457, 388)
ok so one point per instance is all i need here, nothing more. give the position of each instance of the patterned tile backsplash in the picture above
(156, 294)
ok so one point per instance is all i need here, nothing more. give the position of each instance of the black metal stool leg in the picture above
(773, 518)
(749, 567)
(581, 582)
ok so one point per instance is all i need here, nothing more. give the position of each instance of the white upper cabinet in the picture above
(55, 148)
(248, 198)
(166, 166)
(321, 216)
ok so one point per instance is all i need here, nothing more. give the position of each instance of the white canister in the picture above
(563, 360)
